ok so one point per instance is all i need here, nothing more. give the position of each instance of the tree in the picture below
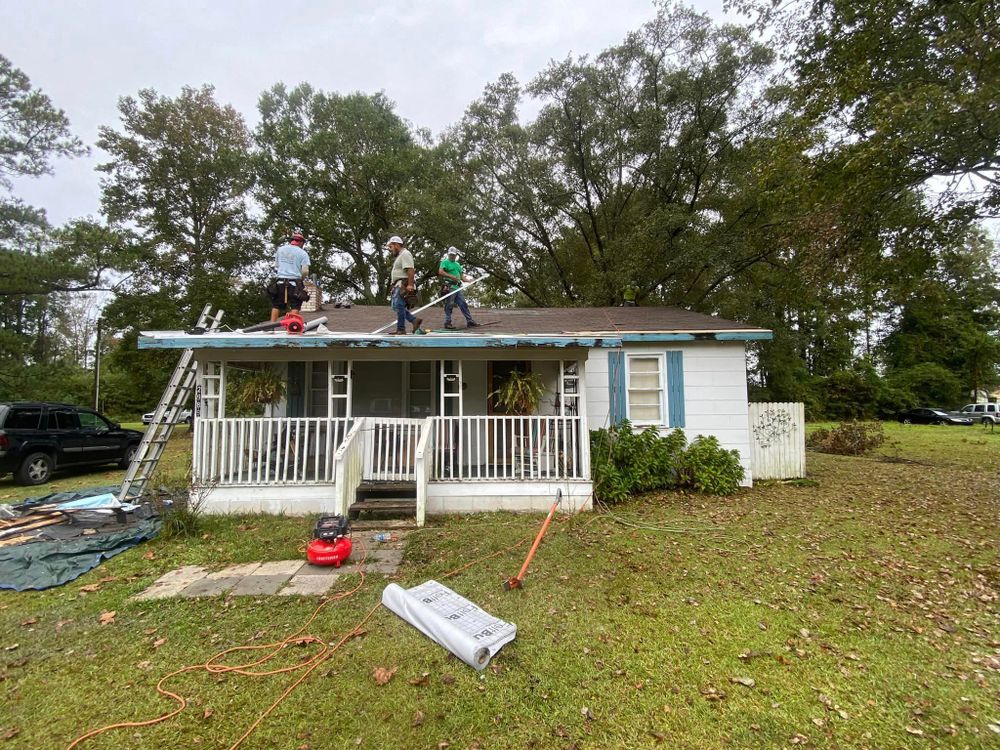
(634, 174)
(907, 89)
(177, 185)
(343, 168)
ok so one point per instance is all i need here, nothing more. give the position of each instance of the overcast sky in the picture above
(432, 57)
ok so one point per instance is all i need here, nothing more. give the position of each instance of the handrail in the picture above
(420, 466)
(349, 466)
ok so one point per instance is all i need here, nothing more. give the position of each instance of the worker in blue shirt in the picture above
(291, 267)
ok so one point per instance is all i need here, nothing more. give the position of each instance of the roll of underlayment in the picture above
(451, 621)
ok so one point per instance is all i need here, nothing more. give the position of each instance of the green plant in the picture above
(254, 389)
(625, 462)
(848, 438)
(709, 468)
(519, 393)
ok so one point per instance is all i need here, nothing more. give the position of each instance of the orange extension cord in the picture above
(212, 667)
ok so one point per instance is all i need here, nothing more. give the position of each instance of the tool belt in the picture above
(410, 298)
(289, 289)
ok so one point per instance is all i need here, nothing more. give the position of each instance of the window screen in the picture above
(23, 419)
(645, 389)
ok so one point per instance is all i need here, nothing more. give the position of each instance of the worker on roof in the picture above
(452, 278)
(291, 263)
(404, 286)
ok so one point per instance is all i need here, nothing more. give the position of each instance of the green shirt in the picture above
(451, 266)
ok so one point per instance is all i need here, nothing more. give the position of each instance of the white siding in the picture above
(715, 391)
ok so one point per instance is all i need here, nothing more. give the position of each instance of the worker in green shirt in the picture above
(452, 277)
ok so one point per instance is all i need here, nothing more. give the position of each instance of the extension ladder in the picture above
(175, 396)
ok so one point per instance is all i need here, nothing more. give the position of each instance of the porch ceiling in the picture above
(588, 327)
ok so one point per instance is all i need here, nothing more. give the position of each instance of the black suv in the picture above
(38, 437)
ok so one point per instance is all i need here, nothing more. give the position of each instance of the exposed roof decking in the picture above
(533, 327)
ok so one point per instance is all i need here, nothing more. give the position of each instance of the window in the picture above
(319, 383)
(645, 389)
(63, 419)
(980, 408)
(91, 421)
(23, 419)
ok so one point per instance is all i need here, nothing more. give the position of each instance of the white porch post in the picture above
(584, 426)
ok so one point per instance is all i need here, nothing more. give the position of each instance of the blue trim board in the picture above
(432, 341)
(675, 388)
(616, 386)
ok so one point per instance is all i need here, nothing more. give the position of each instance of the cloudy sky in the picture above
(432, 57)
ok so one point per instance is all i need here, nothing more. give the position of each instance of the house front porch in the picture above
(428, 427)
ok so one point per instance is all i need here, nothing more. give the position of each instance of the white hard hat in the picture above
(453, 251)
(395, 238)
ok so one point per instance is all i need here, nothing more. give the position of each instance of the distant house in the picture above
(415, 412)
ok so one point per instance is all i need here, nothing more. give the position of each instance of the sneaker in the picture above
(450, 326)
(472, 324)
(416, 324)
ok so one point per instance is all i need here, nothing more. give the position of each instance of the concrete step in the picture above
(376, 524)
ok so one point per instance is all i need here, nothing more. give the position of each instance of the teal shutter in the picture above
(675, 388)
(616, 387)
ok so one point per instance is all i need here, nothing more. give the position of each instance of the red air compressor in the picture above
(331, 543)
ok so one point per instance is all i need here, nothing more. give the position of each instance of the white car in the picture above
(985, 413)
(184, 417)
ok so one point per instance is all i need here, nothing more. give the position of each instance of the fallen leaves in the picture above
(159, 642)
(747, 682)
(418, 719)
(29, 621)
(90, 588)
(423, 679)
(10, 733)
(107, 618)
(382, 675)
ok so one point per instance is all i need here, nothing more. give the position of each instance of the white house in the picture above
(413, 415)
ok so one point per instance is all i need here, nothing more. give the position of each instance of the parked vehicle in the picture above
(37, 438)
(985, 413)
(931, 416)
(184, 417)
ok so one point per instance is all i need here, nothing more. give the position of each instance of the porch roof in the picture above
(588, 327)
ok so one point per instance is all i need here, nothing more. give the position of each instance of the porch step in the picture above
(383, 507)
(370, 490)
(375, 524)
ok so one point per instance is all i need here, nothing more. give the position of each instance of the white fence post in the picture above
(777, 440)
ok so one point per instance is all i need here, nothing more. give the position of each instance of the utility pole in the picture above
(97, 368)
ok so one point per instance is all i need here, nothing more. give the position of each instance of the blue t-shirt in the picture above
(290, 260)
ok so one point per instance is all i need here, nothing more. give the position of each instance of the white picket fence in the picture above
(778, 440)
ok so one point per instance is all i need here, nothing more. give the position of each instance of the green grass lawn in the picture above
(858, 610)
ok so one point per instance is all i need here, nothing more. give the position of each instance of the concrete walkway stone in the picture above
(275, 577)
(309, 585)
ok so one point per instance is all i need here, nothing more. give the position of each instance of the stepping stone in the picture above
(279, 567)
(309, 585)
(172, 583)
(235, 571)
(257, 585)
(308, 569)
(208, 586)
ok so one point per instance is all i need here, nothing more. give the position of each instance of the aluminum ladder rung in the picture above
(172, 402)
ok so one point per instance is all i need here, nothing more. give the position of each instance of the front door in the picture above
(508, 436)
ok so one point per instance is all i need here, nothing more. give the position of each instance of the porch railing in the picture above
(349, 465)
(504, 447)
(392, 447)
(261, 451)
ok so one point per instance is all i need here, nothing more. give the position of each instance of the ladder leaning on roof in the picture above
(175, 396)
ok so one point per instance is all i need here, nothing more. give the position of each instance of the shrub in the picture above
(709, 468)
(626, 462)
(848, 438)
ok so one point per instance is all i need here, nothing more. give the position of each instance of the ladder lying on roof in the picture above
(167, 413)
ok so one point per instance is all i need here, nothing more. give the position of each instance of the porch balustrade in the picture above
(509, 448)
(261, 451)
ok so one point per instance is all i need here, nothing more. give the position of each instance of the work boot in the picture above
(416, 324)
(450, 327)
(398, 332)
(471, 324)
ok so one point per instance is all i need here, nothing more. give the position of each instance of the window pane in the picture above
(644, 364)
(645, 413)
(643, 398)
(90, 421)
(644, 380)
(23, 419)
